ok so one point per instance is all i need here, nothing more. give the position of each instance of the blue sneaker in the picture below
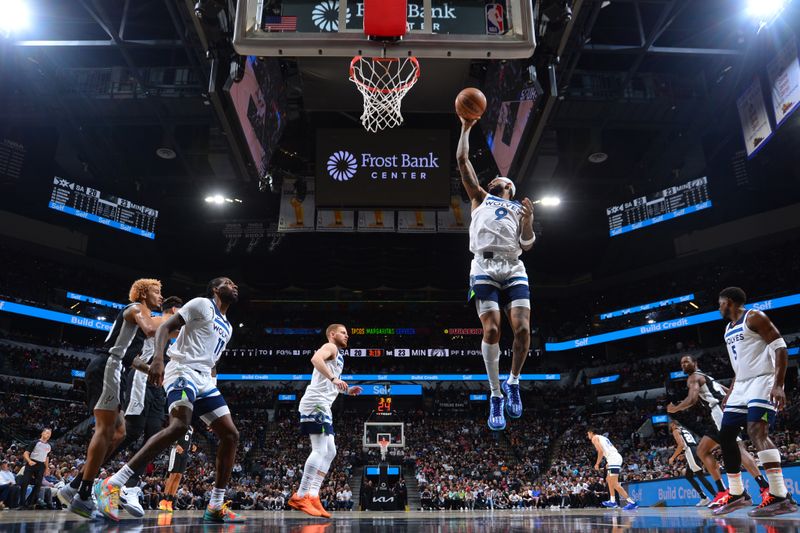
(514, 401)
(631, 506)
(497, 420)
(610, 504)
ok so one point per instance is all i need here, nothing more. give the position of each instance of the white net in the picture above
(383, 82)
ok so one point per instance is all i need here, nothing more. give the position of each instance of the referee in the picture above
(36, 463)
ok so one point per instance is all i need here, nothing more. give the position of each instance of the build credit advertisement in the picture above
(677, 492)
(397, 168)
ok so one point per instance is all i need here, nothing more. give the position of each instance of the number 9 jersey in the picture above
(495, 227)
(204, 337)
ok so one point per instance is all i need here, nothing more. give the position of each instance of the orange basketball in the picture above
(470, 103)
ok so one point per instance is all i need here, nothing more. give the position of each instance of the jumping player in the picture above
(613, 466)
(316, 418)
(701, 413)
(501, 229)
(759, 358)
(686, 444)
(178, 459)
(103, 379)
(191, 393)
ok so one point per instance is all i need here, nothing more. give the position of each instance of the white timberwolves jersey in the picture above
(495, 227)
(750, 356)
(205, 335)
(608, 449)
(321, 392)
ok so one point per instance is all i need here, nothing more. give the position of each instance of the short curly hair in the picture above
(140, 287)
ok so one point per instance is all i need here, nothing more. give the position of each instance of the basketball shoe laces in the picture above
(496, 409)
(514, 390)
(725, 499)
(766, 499)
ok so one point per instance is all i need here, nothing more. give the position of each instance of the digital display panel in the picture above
(647, 307)
(287, 397)
(604, 379)
(260, 103)
(477, 397)
(664, 205)
(660, 419)
(394, 169)
(383, 377)
(96, 206)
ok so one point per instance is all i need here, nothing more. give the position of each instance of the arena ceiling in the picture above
(651, 83)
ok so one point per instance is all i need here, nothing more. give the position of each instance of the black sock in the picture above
(169, 497)
(133, 481)
(720, 485)
(695, 485)
(702, 478)
(85, 489)
(762, 483)
(76, 483)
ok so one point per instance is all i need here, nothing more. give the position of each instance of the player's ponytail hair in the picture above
(140, 288)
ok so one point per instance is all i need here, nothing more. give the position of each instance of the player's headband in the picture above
(506, 180)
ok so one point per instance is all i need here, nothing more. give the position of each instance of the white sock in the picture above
(630, 500)
(513, 379)
(312, 466)
(735, 485)
(121, 477)
(217, 498)
(316, 483)
(777, 486)
(491, 358)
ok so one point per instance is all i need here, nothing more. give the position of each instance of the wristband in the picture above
(528, 242)
(777, 343)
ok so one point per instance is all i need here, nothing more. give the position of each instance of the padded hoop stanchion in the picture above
(385, 20)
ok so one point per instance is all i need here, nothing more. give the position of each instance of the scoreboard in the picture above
(91, 204)
(664, 205)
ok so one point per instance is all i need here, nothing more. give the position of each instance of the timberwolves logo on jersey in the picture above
(340, 359)
(507, 205)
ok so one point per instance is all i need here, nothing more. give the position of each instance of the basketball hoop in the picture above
(384, 446)
(383, 82)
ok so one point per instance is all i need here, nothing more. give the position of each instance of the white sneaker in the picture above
(65, 494)
(129, 500)
(703, 503)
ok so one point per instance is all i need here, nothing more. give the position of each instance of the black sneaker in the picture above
(773, 505)
(733, 503)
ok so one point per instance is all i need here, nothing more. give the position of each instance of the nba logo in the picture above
(494, 19)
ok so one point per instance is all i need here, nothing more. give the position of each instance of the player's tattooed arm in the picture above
(469, 178)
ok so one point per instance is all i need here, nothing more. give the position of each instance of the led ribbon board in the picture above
(647, 307)
(667, 325)
(54, 316)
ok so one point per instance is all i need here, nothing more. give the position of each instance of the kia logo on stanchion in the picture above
(342, 165)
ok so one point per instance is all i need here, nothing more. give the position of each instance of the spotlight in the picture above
(765, 10)
(219, 200)
(548, 201)
(16, 17)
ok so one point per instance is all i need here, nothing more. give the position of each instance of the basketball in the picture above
(470, 103)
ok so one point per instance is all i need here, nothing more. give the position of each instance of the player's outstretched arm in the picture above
(469, 179)
(761, 324)
(142, 317)
(676, 434)
(526, 236)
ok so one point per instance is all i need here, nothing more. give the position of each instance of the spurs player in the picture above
(316, 418)
(501, 229)
(759, 358)
(701, 413)
(686, 444)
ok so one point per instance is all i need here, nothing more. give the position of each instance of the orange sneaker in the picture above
(318, 506)
(304, 504)
(165, 505)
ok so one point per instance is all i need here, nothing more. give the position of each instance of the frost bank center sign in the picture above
(407, 168)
